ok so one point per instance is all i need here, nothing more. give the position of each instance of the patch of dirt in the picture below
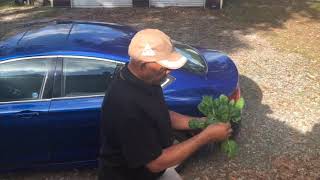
(299, 166)
(299, 35)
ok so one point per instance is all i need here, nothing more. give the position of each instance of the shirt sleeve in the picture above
(138, 140)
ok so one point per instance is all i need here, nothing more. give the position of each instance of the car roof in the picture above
(80, 38)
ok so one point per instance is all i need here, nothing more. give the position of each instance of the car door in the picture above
(79, 90)
(25, 87)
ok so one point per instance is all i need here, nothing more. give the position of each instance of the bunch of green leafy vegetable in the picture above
(220, 110)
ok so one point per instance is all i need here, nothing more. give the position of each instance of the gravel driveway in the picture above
(281, 122)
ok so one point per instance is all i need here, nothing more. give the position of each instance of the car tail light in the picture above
(236, 94)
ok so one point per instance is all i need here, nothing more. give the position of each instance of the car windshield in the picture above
(195, 63)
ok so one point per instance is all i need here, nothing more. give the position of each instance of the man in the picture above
(136, 123)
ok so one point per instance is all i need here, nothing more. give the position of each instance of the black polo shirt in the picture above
(135, 128)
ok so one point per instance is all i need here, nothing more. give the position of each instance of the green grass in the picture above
(272, 18)
(251, 11)
(315, 5)
(6, 4)
(269, 12)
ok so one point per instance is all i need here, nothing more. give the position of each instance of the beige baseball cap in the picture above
(152, 45)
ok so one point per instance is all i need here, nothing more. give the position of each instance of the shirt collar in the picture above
(127, 75)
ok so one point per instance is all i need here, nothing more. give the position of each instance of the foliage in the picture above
(220, 110)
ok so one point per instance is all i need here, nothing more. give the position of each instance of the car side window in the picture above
(23, 79)
(85, 77)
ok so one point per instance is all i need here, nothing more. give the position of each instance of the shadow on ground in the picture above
(263, 143)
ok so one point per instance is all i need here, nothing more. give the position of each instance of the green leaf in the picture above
(235, 113)
(240, 104)
(224, 110)
(230, 108)
(223, 99)
(229, 147)
(211, 120)
(220, 110)
(224, 118)
(197, 124)
(205, 107)
(192, 124)
(236, 120)
(202, 125)
(216, 103)
(219, 113)
(213, 112)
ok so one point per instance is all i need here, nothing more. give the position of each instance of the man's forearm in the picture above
(177, 153)
(179, 121)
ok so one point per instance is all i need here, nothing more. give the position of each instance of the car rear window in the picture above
(195, 64)
(23, 80)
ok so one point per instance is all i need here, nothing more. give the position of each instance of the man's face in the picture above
(154, 73)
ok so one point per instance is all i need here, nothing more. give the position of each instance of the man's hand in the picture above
(218, 132)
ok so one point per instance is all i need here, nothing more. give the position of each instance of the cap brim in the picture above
(174, 61)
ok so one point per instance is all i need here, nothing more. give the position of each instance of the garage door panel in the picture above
(101, 3)
(164, 3)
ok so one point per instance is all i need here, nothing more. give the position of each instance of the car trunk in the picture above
(220, 77)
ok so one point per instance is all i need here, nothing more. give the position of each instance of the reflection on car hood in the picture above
(69, 36)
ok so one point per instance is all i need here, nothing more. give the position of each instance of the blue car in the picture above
(53, 77)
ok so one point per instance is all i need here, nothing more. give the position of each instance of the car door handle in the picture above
(27, 115)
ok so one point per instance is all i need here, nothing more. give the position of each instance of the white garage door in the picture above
(101, 3)
(164, 3)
